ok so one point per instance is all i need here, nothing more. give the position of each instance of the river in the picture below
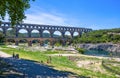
(101, 53)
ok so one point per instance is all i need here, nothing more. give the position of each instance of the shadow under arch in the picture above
(36, 42)
(23, 42)
(10, 41)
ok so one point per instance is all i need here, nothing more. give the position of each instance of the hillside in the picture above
(99, 36)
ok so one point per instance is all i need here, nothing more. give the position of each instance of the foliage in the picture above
(57, 44)
(99, 36)
(2, 38)
(15, 9)
(80, 50)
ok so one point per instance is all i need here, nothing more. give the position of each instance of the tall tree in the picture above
(15, 9)
(2, 38)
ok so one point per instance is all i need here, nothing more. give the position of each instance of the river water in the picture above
(102, 53)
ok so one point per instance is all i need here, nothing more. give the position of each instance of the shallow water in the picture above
(97, 53)
(102, 53)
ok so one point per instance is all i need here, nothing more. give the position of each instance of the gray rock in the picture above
(101, 46)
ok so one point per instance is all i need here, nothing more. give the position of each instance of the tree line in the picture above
(99, 36)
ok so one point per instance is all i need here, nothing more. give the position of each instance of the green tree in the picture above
(2, 38)
(99, 36)
(15, 9)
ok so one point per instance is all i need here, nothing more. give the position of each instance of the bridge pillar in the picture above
(16, 34)
(72, 33)
(52, 42)
(63, 42)
(30, 43)
(51, 33)
(80, 34)
(41, 33)
(16, 42)
(4, 31)
(29, 33)
(41, 43)
(63, 34)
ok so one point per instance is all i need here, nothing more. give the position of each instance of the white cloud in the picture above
(45, 18)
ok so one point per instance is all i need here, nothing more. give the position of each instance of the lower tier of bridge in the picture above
(39, 40)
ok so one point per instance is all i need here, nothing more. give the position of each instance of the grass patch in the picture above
(59, 62)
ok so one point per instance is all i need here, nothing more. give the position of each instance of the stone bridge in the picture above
(5, 26)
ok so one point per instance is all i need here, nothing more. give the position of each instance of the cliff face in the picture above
(102, 46)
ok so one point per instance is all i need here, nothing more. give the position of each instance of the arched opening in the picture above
(75, 34)
(46, 42)
(23, 42)
(1, 30)
(11, 41)
(46, 34)
(67, 34)
(35, 34)
(10, 32)
(35, 42)
(57, 34)
(22, 33)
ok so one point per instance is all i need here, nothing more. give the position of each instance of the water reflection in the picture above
(102, 53)
(97, 53)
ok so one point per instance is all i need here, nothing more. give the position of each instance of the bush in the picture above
(80, 50)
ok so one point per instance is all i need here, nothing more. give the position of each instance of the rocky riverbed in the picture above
(101, 46)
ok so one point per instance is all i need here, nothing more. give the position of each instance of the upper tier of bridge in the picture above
(51, 28)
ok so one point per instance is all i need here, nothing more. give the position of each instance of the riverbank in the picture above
(88, 67)
(101, 46)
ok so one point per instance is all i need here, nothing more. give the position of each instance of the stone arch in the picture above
(35, 33)
(23, 42)
(67, 34)
(10, 32)
(22, 33)
(10, 41)
(46, 34)
(35, 42)
(75, 34)
(57, 34)
(46, 42)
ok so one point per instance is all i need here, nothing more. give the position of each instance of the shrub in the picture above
(80, 50)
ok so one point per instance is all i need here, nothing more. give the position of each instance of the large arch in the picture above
(57, 34)
(75, 34)
(67, 34)
(10, 32)
(46, 34)
(22, 33)
(35, 33)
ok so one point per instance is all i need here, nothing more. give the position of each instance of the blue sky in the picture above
(95, 14)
